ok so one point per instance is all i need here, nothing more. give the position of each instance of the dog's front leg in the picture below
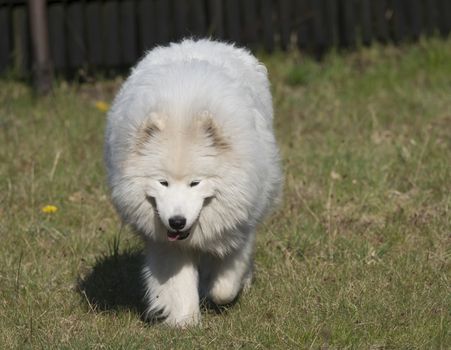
(171, 282)
(223, 278)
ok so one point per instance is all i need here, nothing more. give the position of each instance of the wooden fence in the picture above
(113, 34)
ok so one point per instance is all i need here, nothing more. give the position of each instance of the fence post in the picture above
(42, 67)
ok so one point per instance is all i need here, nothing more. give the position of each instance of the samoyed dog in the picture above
(193, 167)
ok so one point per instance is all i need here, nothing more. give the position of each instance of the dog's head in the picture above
(179, 162)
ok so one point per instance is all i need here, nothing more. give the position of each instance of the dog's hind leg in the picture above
(171, 281)
(223, 278)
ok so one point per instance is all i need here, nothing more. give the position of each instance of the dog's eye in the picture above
(194, 183)
(164, 183)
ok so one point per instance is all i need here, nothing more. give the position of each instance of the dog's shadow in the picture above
(114, 283)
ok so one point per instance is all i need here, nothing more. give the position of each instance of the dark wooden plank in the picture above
(57, 36)
(94, 42)
(197, 15)
(232, 20)
(21, 41)
(250, 23)
(189, 19)
(76, 46)
(304, 24)
(319, 33)
(162, 17)
(216, 19)
(267, 24)
(42, 70)
(430, 17)
(110, 24)
(146, 25)
(285, 11)
(366, 22)
(347, 24)
(13, 2)
(379, 9)
(400, 29)
(447, 12)
(444, 17)
(128, 32)
(331, 22)
(5, 38)
(181, 27)
(414, 17)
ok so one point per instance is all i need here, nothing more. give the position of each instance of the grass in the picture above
(358, 255)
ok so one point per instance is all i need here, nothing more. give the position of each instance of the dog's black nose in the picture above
(177, 222)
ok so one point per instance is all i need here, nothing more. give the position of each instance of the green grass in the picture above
(357, 256)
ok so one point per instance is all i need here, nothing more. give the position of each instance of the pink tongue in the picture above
(173, 236)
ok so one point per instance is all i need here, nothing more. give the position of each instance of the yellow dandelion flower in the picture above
(49, 209)
(102, 106)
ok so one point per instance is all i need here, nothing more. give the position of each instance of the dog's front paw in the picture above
(173, 307)
(173, 314)
(224, 291)
(183, 320)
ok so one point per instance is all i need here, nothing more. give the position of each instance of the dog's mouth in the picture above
(178, 235)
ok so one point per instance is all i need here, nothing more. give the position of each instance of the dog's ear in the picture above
(148, 129)
(212, 132)
(154, 124)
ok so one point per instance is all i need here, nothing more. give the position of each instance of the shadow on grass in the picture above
(114, 283)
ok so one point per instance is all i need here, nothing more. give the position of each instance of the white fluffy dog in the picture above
(193, 167)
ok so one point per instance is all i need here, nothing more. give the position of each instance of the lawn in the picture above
(357, 255)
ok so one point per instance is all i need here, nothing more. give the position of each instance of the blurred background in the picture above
(81, 36)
